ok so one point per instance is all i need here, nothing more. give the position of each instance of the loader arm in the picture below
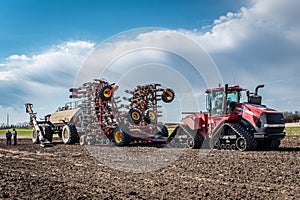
(36, 127)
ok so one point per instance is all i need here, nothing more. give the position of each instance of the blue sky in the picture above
(32, 25)
(44, 43)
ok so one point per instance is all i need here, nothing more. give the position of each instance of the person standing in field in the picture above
(8, 137)
(15, 136)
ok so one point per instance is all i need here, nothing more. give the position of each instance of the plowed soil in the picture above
(29, 171)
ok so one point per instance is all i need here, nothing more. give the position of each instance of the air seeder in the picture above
(98, 118)
(104, 122)
(232, 124)
(61, 121)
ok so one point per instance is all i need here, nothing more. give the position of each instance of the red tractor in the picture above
(232, 124)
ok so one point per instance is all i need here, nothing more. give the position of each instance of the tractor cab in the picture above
(221, 100)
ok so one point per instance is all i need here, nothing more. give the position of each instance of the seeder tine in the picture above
(126, 98)
(73, 89)
(126, 106)
(73, 96)
(129, 91)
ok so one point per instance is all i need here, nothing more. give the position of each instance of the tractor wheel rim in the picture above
(65, 134)
(135, 116)
(152, 116)
(169, 97)
(81, 140)
(107, 93)
(241, 144)
(190, 142)
(118, 137)
(216, 143)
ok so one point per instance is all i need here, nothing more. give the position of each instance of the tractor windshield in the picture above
(233, 96)
(215, 102)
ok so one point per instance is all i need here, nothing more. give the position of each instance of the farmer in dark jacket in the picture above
(15, 136)
(8, 137)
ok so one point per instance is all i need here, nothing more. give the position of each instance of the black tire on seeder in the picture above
(105, 92)
(150, 116)
(121, 136)
(163, 130)
(69, 134)
(135, 115)
(168, 96)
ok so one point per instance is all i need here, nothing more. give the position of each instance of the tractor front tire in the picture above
(69, 134)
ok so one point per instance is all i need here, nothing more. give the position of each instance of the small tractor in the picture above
(231, 124)
(61, 122)
(104, 122)
(96, 117)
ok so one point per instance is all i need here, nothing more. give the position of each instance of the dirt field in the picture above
(70, 172)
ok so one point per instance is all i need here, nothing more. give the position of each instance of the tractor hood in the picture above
(262, 118)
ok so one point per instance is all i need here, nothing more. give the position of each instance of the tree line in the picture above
(17, 125)
(290, 117)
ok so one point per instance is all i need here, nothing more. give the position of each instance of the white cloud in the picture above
(44, 78)
(259, 44)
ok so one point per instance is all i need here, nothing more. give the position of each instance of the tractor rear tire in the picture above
(121, 136)
(35, 137)
(48, 133)
(69, 134)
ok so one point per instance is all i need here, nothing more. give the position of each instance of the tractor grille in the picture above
(268, 121)
(275, 118)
